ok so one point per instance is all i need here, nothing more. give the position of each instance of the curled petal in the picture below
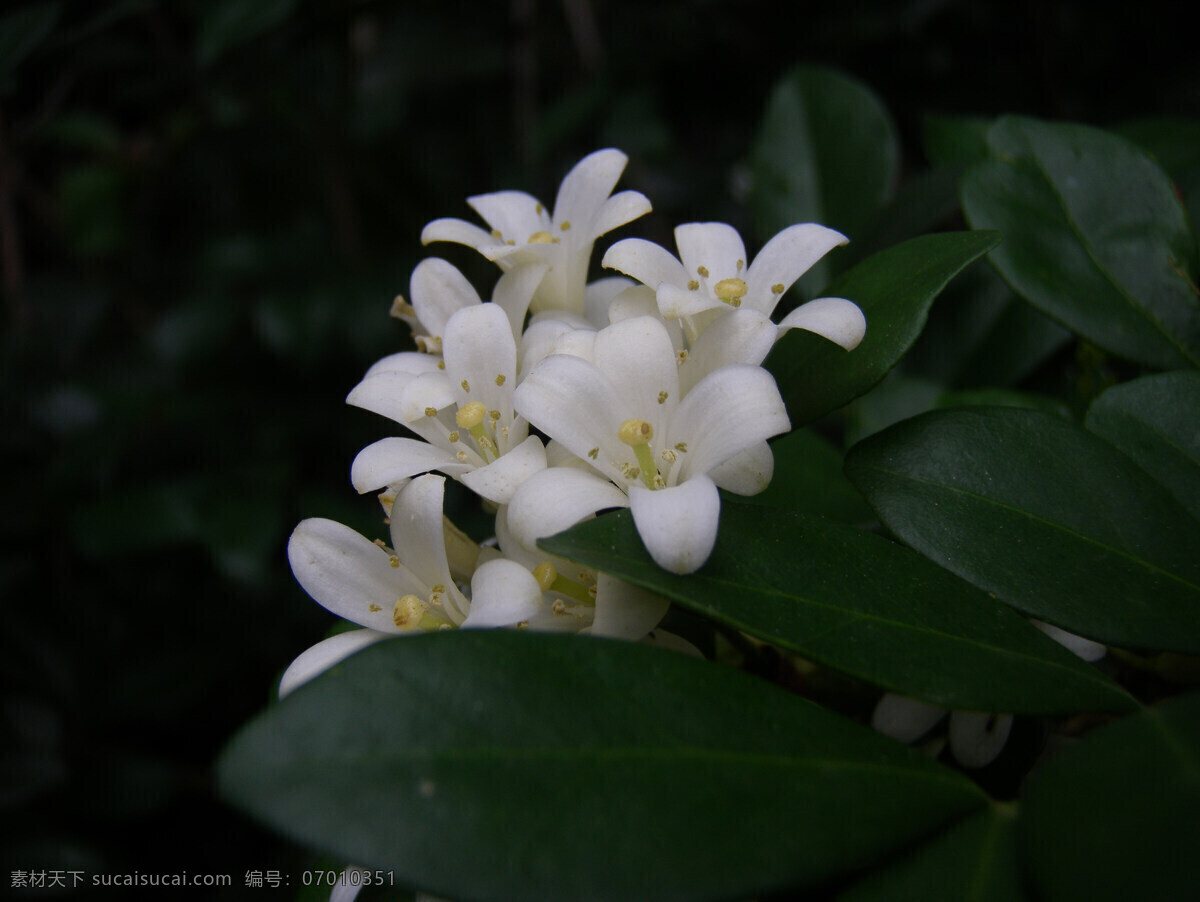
(515, 214)
(348, 575)
(316, 660)
(500, 479)
(625, 611)
(411, 363)
(784, 259)
(503, 593)
(976, 738)
(458, 231)
(390, 460)
(649, 263)
(618, 210)
(514, 291)
(438, 290)
(584, 189)
(741, 336)
(905, 719)
(556, 499)
(417, 532)
(1084, 648)
(678, 525)
(837, 319)
(746, 473)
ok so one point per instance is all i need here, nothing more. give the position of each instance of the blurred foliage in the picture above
(205, 210)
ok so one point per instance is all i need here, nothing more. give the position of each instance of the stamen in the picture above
(550, 580)
(545, 574)
(566, 226)
(470, 417)
(693, 285)
(731, 291)
(431, 411)
(542, 237)
(409, 612)
(637, 434)
(662, 397)
(499, 378)
(466, 386)
(702, 271)
(402, 308)
(777, 288)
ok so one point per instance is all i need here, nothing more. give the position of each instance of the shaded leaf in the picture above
(1045, 515)
(860, 604)
(484, 765)
(1117, 817)
(1156, 421)
(895, 289)
(227, 23)
(808, 478)
(1094, 236)
(955, 140)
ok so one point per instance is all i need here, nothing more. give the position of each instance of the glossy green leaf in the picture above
(860, 604)
(1050, 518)
(1175, 143)
(1094, 235)
(808, 478)
(502, 764)
(1156, 421)
(895, 289)
(826, 152)
(974, 860)
(1117, 817)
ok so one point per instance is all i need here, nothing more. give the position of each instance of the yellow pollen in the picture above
(408, 612)
(545, 574)
(393, 562)
(470, 415)
(381, 543)
(453, 436)
(731, 291)
(662, 397)
(431, 411)
(635, 432)
(428, 344)
(402, 308)
(438, 588)
(681, 447)
(538, 208)
(466, 386)
(777, 288)
(693, 285)
(740, 265)
(593, 453)
(497, 234)
(703, 271)
(540, 238)
(668, 455)
(681, 357)
(522, 624)
(462, 457)
(559, 607)
(374, 608)
(632, 472)
(494, 414)
(441, 364)
(499, 378)
(566, 226)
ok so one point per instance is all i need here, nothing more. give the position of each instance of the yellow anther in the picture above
(466, 386)
(594, 453)
(499, 378)
(731, 291)
(693, 285)
(497, 234)
(741, 265)
(681, 357)
(493, 415)
(632, 472)
(559, 607)
(681, 447)
(374, 608)
(441, 364)
(540, 238)
(777, 288)
(408, 612)
(438, 588)
(545, 574)
(470, 415)
(538, 208)
(635, 432)
(394, 561)
(662, 397)
(566, 226)
(453, 436)
(668, 455)
(522, 624)
(381, 543)
(428, 344)
(463, 457)
(431, 411)
(703, 271)
(402, 308)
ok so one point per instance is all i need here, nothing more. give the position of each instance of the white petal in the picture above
(784, 259)
(746, 473)
(636, 301)
(515, 290)
(675, 302)
(637, 357)
(538, 342)
(904, 719)
(569, 400)
(598, 297)
(503, 593)
(514, 214)
(459, 231)
(500, 479)
(976, 737)
(316, 660)
(429, 391)
(741, 336)
(1084, 648)
(625, 611)
(348, 575)
(416, 525)
(678, 525)
(715, 246)
(480, 352)
(837, 319)
(438, 290)
(649, 263)
(618, 210)
(410, 363)
(726, 412)
(389, 460)
(556, 499)
(585, 189)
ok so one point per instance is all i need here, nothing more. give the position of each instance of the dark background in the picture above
(205, 210)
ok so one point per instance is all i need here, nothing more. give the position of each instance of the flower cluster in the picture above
(558, 399)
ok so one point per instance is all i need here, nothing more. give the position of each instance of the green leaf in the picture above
(895, 289)
(502, 764)
(826, 152)
(227, 23)
(1154, 421)
(1045, 515)
(1175, 143)
(1094, 236)
(1117, 817)
(808, 478)
(860, 604)
(955, 140)
(974, 860)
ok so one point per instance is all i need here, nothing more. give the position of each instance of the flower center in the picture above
(470, 417)
(731, 291)
(550, 580)
(637, 434)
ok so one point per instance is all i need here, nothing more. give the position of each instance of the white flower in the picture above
(622, 412)
(522, 232)
(711, 278)
(463, 411)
